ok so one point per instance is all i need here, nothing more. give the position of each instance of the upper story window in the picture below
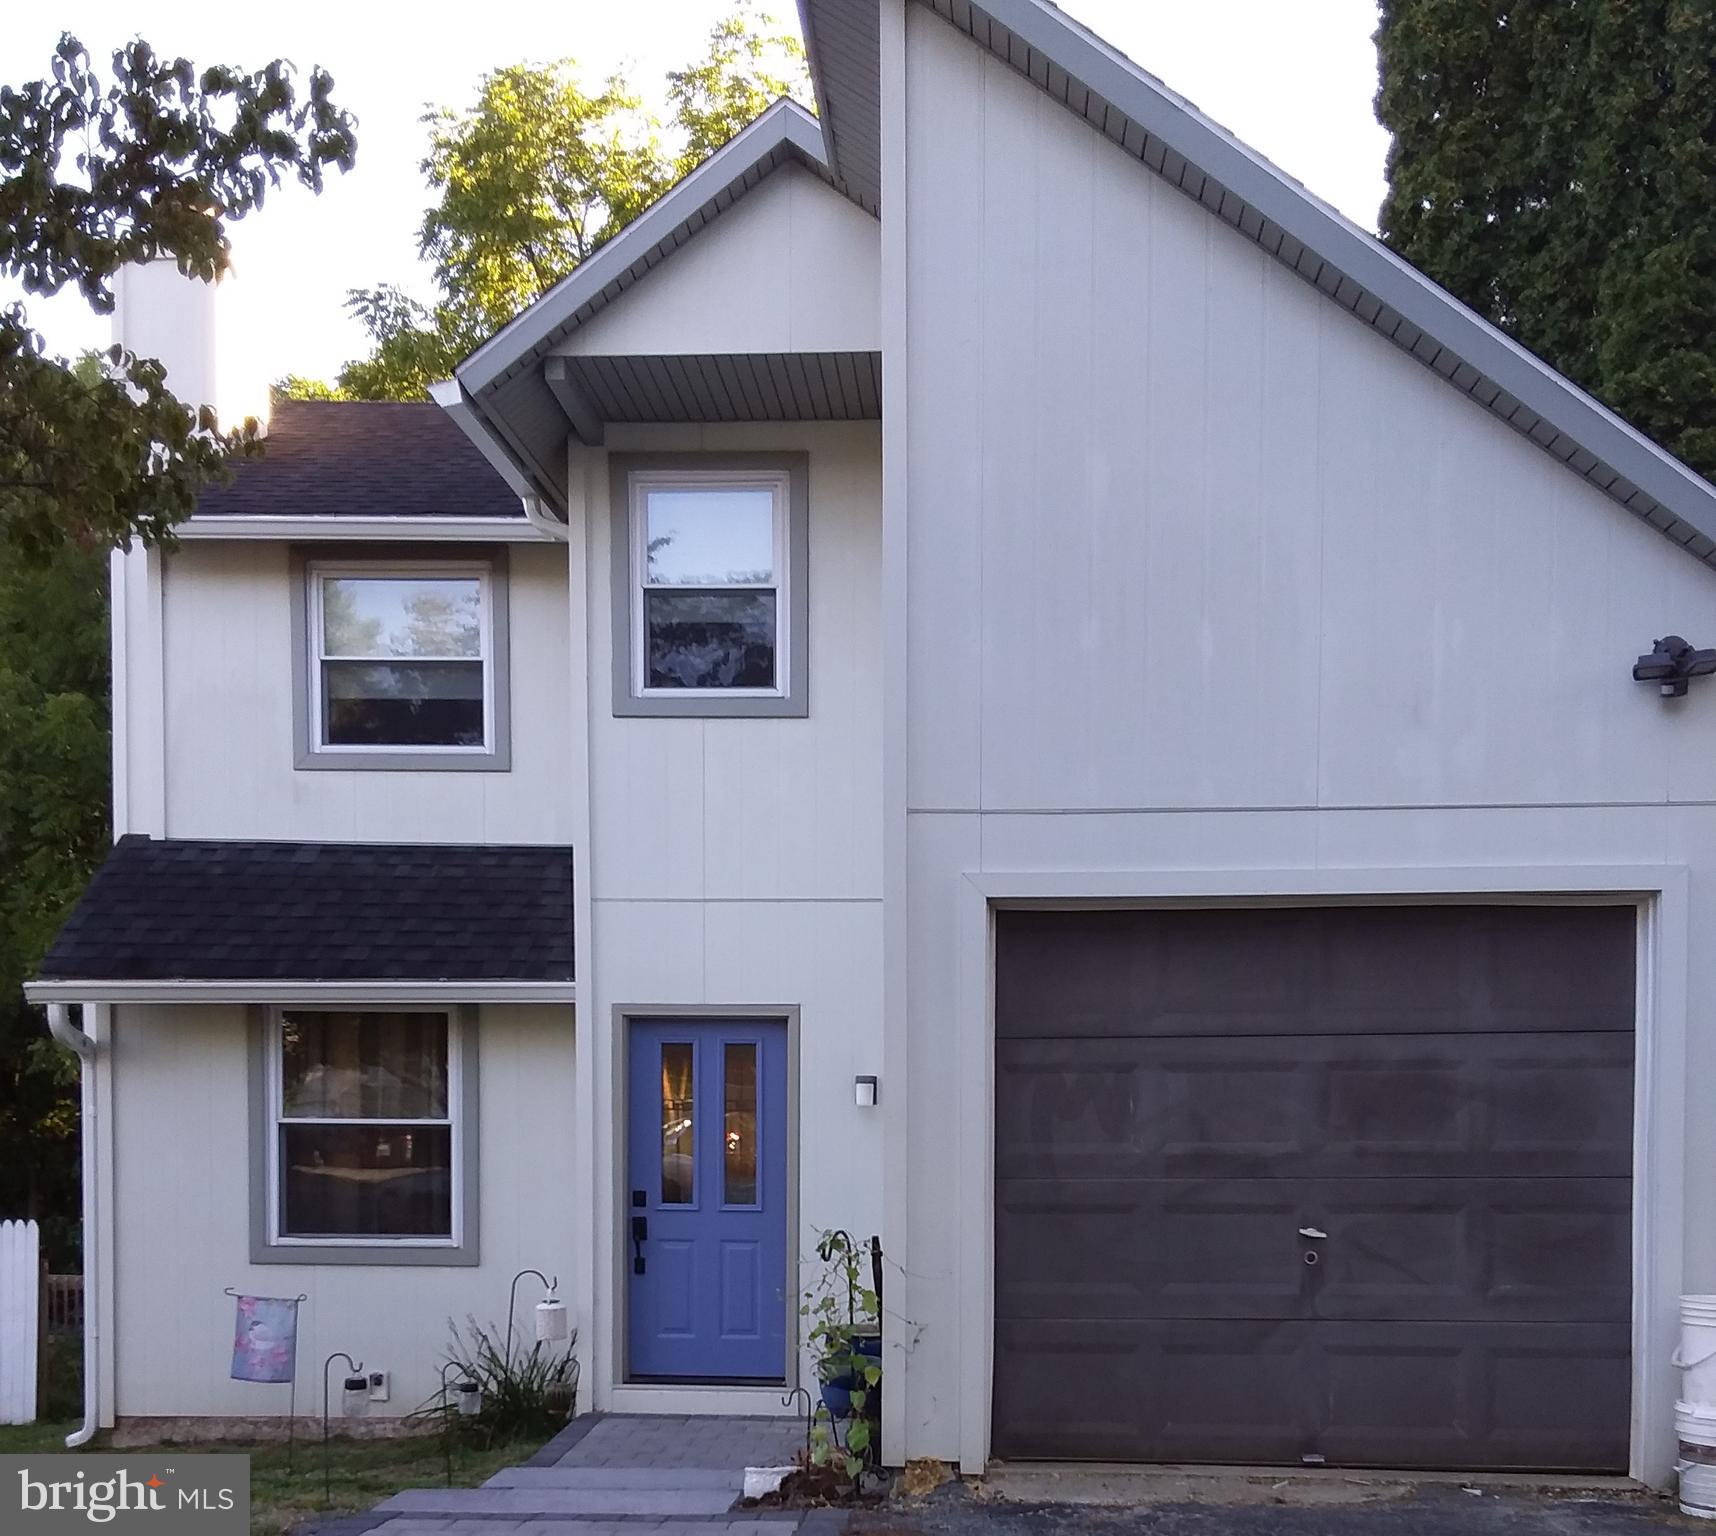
(713, 600)
(403, 665)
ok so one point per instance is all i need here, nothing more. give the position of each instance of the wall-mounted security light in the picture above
(1671, 664)
(864, 1091)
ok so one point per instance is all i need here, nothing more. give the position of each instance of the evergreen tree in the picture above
(1554, 165)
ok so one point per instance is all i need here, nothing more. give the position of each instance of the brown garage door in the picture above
(1340, 1182)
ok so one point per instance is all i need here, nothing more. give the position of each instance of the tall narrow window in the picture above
(739, 1129)
(366, 1108)
(710, 574)
(678, 1124)
(403, 659)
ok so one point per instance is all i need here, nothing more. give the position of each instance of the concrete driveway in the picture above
(1262, 1507)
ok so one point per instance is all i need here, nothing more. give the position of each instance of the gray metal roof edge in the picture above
(825, 121)
(785, 126)
(1394, 282)
(451, 397)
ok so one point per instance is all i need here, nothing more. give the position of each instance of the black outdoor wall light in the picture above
(1672, 664)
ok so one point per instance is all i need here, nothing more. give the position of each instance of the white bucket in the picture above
(1696, 1356)
(1698, 1490)
(1695, 1424)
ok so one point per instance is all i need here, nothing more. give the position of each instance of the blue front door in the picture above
(705, 1209)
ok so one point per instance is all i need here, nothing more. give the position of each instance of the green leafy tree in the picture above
(749, 64)
(93, 454)
(94, 175)
(1554, 165)
(535, 177)
(53, 832)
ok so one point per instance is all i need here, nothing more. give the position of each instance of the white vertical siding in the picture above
(1204, 574)
(181, 1204)
(792, 267)
(737, 863)
(228, 716)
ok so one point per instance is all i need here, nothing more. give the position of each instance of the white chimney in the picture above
(182, 322)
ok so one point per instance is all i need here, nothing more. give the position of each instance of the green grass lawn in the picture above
(364, 1471)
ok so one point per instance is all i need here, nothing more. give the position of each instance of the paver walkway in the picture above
(609, 1475)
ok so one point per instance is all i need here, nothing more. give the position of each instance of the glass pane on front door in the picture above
(678, 1163)
(739, 1144)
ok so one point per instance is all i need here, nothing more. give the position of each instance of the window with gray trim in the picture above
(400, 663)
(710, 571)
(365, 1136)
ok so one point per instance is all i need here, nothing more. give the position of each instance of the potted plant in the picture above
(845, 1336)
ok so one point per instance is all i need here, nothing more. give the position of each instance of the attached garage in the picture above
(1343, 1184)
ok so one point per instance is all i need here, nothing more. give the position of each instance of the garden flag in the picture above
(265, 1340)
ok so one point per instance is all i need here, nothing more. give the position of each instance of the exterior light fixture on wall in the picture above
(1671, 664)
(865, 1092)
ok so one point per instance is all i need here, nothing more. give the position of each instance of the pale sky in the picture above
(1294, 78)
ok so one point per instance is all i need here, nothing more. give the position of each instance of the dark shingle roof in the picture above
(184, 910)
(361, 458)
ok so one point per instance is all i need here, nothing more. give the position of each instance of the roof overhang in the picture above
(1146, 119)
(302, 993)
(519, 403)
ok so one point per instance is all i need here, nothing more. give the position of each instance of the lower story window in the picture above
(365, 1144)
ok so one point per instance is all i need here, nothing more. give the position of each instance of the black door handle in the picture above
(640, 1235)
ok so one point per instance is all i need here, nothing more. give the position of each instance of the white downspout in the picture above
(80, 1044)
(542, 521)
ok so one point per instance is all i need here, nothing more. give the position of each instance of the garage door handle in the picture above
(1312, 1232)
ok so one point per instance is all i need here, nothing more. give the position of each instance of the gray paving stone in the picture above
(702, 1479)
(531, 1503)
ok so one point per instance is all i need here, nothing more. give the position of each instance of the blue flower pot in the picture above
(837, 1390)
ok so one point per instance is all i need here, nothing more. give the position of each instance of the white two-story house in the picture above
(991, 673)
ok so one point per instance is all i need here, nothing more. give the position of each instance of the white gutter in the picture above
(82, 1046)
(465, 530)
(55, 993)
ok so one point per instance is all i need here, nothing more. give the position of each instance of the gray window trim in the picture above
(794, 703)
(465, 1253)
(305, 753)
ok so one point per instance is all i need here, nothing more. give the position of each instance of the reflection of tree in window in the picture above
(404, 663)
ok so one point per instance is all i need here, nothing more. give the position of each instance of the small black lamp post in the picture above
(354, 1403)
(464, 1401)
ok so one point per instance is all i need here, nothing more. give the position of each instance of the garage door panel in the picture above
(1149, 1248)
(1314, 970)
(1449, 1105)
(1423, 1249)
(1498, 1396)
(1150, 1390)
(1542, 1396)
(1475, 1250)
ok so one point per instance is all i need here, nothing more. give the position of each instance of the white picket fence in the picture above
(20, 1319)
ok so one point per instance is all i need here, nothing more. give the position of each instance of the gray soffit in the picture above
(842, 40)
(1202, 159)
(741, 386)
(503, 391)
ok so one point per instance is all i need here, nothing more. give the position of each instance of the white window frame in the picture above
(320, 571)
(779, 485)
(275, 1100)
